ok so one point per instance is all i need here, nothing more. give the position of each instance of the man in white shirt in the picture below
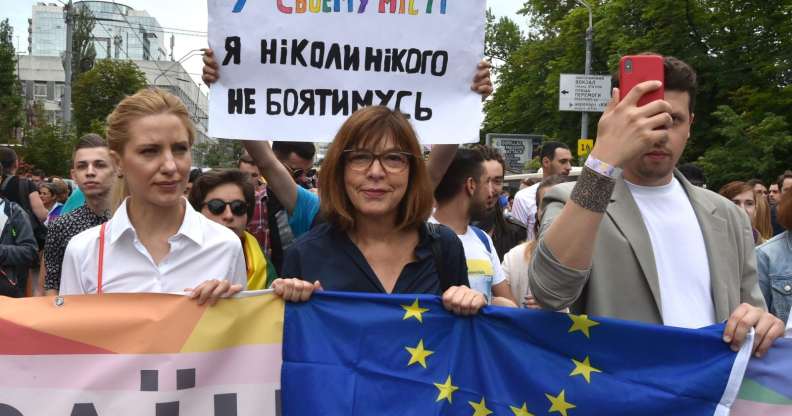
(645, 244)
(556, 160)
(462, 196)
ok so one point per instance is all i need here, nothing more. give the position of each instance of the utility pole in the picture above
(68, 14)
(584, 121)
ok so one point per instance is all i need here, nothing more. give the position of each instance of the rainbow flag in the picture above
(140, 354)
(767, 386)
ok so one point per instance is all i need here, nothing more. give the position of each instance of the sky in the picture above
(185, 14)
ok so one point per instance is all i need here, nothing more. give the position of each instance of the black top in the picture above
(59, 234)
(328, 255)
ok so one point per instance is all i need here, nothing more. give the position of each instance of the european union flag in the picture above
(365, 354)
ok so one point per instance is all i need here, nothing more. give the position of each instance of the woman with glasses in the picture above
(376, 196)
(155, 241)
(227, 197)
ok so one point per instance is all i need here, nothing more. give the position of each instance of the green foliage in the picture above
(45, 146)
(98, 91)
(217, 154)
(10, 100)
(501, 38)
(742, 51)
(83, 50)
(752, 149)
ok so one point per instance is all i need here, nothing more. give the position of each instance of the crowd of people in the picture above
(631, 237)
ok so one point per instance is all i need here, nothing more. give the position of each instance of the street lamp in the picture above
(589, 40)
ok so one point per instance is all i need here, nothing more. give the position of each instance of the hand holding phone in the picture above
(635, 69)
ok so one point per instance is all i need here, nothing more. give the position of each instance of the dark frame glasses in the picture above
(218, 206)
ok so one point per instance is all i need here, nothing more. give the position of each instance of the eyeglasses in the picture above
(392, 162)
(218, 206)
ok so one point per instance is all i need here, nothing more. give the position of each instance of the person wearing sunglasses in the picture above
(375, 199)
(227, 197)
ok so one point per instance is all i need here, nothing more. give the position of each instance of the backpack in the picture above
(39, 229)
(437, 252)
(482, 236)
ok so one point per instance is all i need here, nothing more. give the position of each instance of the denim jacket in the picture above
(774, 266)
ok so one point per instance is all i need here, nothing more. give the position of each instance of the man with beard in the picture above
(506, 231)
(633, 239)
(463, 196)
(556, 159)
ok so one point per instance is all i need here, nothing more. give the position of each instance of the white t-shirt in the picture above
(524, 208)
(484, 268)
(680, 254)
(201, 250)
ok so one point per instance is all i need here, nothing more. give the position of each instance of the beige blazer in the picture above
(623, 282)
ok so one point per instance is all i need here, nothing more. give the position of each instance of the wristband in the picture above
(593, 190)
(601, 167)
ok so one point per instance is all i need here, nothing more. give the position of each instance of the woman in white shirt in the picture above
(155, 241)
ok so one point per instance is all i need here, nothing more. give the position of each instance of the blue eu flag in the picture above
(366, 354)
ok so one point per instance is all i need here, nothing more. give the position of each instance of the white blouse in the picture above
(201, 250)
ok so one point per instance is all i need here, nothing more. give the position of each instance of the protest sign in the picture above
(296, 69)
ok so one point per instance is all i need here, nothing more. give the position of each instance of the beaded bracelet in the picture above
(593, 190)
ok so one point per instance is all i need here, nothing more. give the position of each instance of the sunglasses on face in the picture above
(298, 173)
(218, 206)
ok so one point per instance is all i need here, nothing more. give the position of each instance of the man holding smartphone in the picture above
(633, 239)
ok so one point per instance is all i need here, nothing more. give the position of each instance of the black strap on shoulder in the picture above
(437, 253)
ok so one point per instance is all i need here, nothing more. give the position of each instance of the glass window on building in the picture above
(59, 91)
(40, 90)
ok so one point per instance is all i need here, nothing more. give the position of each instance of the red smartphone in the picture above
(635, 69)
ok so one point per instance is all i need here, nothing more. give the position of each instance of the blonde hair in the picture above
(146, 102)
(761, 220)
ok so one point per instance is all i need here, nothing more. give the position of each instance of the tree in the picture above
(751, 150)
(45, 147)
(217, 154)
(98, 91)
(10, 99)
(742, 51)
(83, 49)
(502, 38)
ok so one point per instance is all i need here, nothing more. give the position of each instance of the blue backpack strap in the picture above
(482, 236)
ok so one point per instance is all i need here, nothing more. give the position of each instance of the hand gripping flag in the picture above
(362, 354)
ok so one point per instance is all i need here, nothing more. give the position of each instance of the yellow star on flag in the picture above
(414, 311)
(418, 354)
(480, 408)
(584, 369)
(581, 323)
(559, 403)
(521, 411)
(446, 390)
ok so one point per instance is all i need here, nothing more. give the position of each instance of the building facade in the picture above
(120, 32)
(42, 79)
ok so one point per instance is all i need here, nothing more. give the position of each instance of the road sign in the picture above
(589, 93)
(584, 147)
(517, 149)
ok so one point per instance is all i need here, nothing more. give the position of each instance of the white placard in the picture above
(324, 58)
(589, 93)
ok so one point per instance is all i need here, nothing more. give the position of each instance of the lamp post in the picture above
(584, 121)
(68, 15)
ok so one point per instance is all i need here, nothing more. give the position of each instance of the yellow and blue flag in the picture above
(366, 354)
